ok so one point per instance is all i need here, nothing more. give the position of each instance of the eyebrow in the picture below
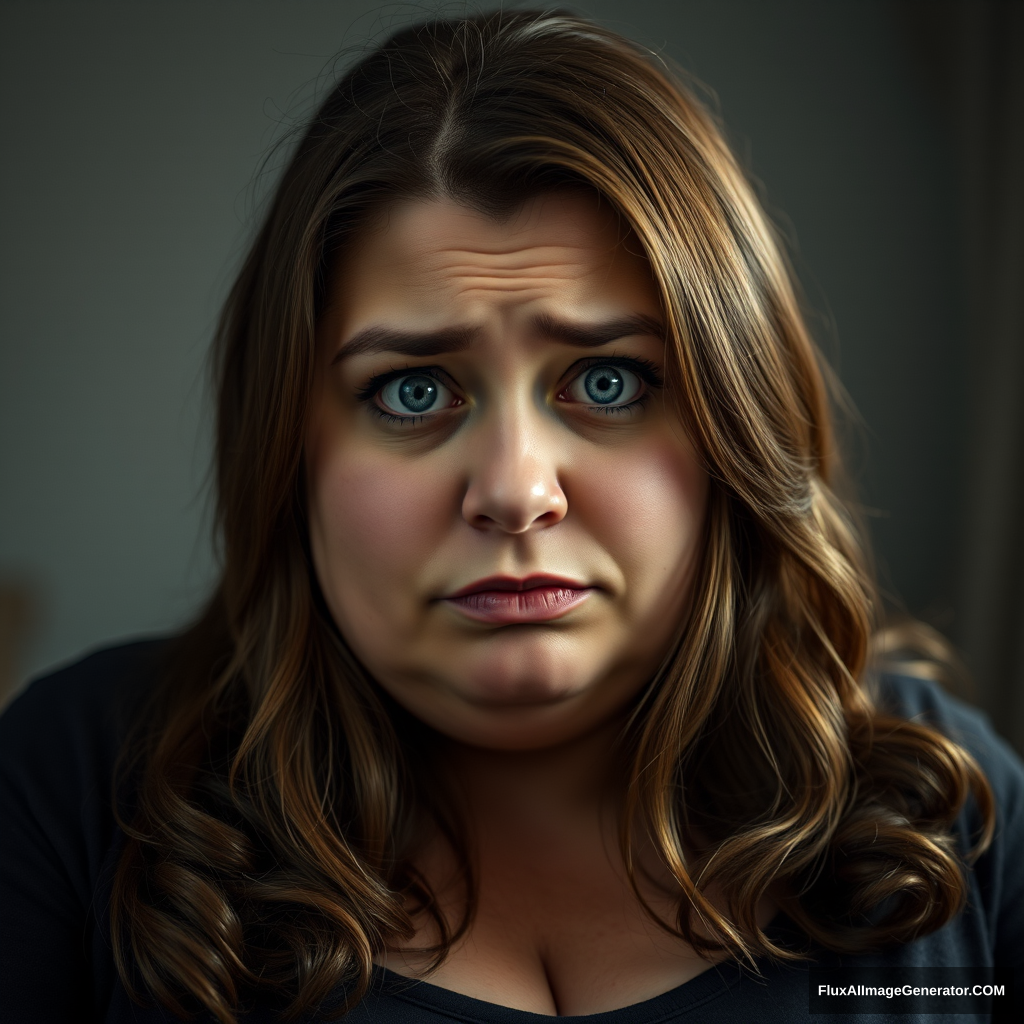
(455, 339)
(408, 343)
(592, 335)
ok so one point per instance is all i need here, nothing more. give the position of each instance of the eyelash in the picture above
(647, 371)
(369, 391)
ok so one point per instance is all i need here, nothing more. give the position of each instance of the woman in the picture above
(539, 665)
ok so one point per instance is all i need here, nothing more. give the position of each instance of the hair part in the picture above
(277, 798)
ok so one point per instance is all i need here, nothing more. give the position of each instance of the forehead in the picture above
(422, 258)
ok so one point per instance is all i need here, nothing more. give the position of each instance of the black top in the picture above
(59, 844)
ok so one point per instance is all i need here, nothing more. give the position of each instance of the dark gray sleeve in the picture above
(58, 744)
(1000, 871)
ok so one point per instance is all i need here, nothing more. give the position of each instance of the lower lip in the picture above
(508, 607)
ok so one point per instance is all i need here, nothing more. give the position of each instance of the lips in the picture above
(505, 600)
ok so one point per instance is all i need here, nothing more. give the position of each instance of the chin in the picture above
(514, 692)
(517, 674)
(507, 707)
(514, 689)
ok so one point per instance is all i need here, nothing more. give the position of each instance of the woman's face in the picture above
(504, 513)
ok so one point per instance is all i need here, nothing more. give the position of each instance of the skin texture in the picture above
(519, 478)
(517, 472)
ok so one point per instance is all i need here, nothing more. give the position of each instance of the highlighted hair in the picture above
(278, 794)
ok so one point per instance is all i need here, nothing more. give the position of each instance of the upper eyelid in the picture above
(649, 372)
(380, 380)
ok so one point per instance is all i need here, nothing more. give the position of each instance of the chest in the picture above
(563, 934)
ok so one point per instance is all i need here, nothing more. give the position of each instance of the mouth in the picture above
(506, 600)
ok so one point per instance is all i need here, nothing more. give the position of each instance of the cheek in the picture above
(373, 526)
(648, 508)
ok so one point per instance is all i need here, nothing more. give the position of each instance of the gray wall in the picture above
(132, 135)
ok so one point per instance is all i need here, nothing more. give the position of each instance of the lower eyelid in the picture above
(645, 389)
(609, 410)
(412, 419)
(391, 417)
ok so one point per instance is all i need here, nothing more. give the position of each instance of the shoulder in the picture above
(997, 877)
(59, 744)
(923, 700)
(95, 680)
(64, 714)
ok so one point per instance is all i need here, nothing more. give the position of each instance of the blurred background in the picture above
(887, 141)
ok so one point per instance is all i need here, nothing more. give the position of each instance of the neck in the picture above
(537, 788)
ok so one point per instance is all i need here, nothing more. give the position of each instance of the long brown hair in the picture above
(273, 807)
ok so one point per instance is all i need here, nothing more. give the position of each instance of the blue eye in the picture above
(414, 395)
(605, 385)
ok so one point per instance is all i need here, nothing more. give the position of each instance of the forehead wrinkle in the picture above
(524, 292)
(422, 264)
(503, 248)
(509, 279)
(513, 258)
(559, 270)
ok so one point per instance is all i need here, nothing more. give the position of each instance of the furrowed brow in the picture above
(456, 339)
(594, 334)
(407, 343)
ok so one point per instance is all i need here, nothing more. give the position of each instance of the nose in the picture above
(513, 485)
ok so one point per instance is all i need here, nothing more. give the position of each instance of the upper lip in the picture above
(516, 583)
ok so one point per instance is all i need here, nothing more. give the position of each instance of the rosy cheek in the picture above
(377, 524)
(648, 510)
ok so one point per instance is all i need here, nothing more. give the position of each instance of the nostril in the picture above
(513, 498)
(518, 518)
(549, 518)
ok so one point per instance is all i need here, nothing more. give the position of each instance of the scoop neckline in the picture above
(690, 995)
(707, 985)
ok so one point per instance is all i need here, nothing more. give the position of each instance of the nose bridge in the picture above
(514, 482)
